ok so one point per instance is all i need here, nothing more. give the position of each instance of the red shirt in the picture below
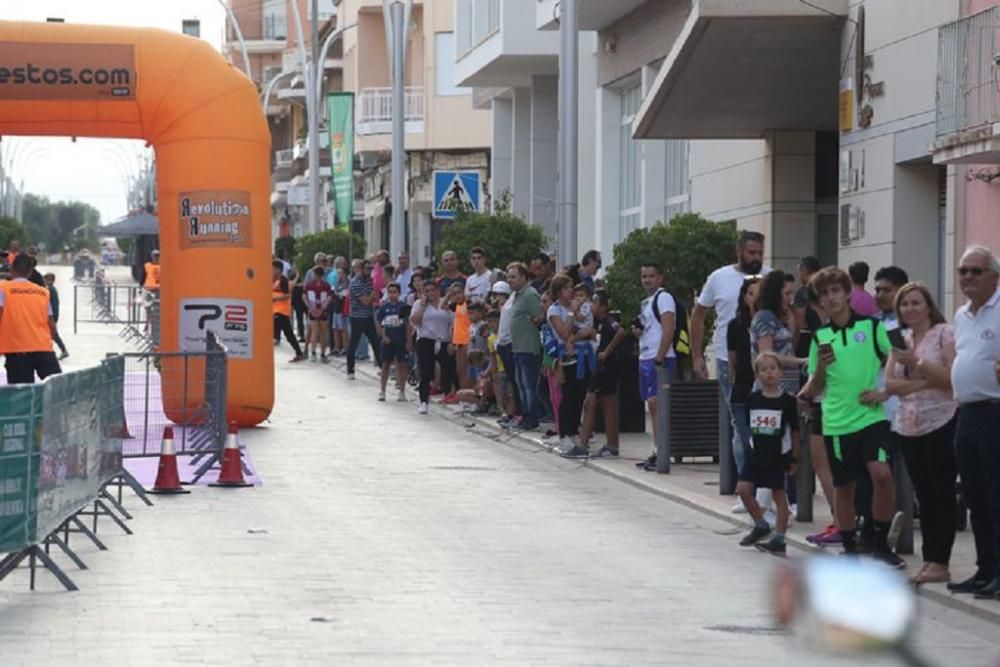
(316, 292)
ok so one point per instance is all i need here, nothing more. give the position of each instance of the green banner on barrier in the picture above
(19, 459)
(59, 443)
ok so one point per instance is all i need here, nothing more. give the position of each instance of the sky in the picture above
(93, 170)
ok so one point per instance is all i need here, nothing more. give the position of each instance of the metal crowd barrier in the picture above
(133, 308)
(184, 390)
(59, 451)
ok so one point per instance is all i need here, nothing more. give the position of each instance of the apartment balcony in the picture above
(271, 38)
(496, 46)
(967, 122)
(591, 14)
(373, 114)
(739, 69)
(301, 149)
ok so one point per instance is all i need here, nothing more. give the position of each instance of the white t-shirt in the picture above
(652, 330)
(977, 346)
(721, 292)
(559, 311)
(477, 286)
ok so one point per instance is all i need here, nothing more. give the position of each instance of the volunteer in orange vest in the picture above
(281, 295)
(151, 281)
(14, 251)
(26, 326)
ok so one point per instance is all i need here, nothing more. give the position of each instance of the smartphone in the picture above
(826, 348)
(896, 339)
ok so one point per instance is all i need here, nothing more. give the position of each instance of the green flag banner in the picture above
(340, 123)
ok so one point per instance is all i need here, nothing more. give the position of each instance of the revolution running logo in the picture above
(215, 218)
(33, 71)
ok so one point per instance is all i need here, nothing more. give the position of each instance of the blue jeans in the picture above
(527, 368)
(741, 434)
(726, 387)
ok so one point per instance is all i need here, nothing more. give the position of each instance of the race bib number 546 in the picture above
(765, 422)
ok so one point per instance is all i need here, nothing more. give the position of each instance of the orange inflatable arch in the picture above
(212, 144)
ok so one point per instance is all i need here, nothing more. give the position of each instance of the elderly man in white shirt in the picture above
(975, 377)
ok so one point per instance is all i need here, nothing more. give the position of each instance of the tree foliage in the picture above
(55, 225)
(330, 241)
(504, 236)
(11, 230)
(688, 249)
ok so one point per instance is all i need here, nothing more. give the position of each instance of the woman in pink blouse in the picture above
(925, 421)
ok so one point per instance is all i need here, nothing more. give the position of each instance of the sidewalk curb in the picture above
(936, 592)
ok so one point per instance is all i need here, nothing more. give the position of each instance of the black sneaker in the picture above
(606, 453)
(756, 534)
(576, 452)
(889, 558)
(970, 585)
(773, 546)
(649, 462)
(990, 591)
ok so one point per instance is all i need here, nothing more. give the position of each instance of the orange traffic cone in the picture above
(168, 481)
(231, 474)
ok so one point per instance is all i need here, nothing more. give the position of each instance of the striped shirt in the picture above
(361, 287)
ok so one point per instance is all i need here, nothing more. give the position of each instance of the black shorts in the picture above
(605, 381)
(766, 467)
(21, 367)
(850, 454)
(816, 419)
(393, 352)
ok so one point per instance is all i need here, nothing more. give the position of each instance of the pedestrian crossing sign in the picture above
(455, 191)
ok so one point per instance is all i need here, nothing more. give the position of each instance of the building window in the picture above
(275, 24)
(191, 27)
(677, 190)
(326, 10)
(444, 66)
(630, 158)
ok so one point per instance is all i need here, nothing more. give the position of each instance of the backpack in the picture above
(682, 337)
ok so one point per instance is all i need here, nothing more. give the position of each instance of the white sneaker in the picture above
(422, 409)
(567, 444)
(381, 396)
(350, 376)
(402, 396)
(739, 508)
(551, 440)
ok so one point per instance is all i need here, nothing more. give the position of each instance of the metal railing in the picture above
(475, 21)
(133, 308)
(968, 80)
(374, 109)
(184, 390)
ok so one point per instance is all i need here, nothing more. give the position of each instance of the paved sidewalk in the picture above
(696, 485)
(381, 537)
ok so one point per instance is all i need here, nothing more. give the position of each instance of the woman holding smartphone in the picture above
(919, 372)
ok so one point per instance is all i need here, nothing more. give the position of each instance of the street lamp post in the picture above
(396, 16)
(569, 84)
(239, 36)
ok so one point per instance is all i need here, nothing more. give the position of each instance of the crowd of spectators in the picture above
(869, 381)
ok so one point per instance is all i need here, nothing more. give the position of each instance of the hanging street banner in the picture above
(340, 122)
(455, 191)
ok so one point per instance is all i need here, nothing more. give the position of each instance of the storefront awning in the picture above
(739, 69)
